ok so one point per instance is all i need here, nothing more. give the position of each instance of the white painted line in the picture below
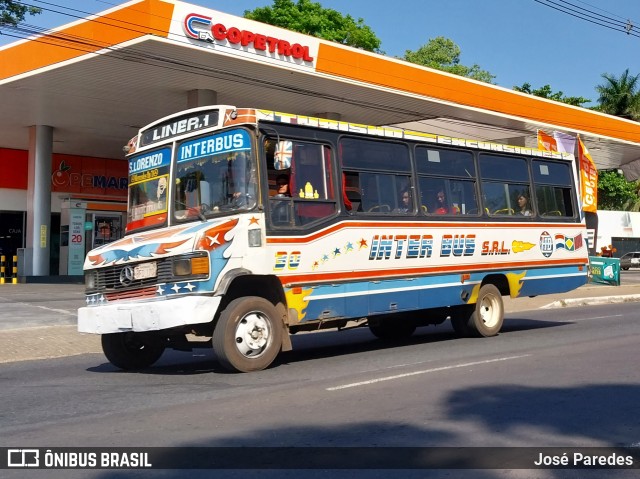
(602, 317)
(424, 371)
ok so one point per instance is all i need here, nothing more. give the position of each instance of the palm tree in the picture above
(620, 96)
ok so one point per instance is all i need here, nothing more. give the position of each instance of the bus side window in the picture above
(447, 179)
(504, 179)
(310, 181)
(553, 188)
(353, 196)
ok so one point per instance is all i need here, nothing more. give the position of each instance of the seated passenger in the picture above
(282, 185)
(405, 203)
(523, 203)
(442, 207)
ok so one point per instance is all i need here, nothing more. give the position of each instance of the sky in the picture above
(518, 41)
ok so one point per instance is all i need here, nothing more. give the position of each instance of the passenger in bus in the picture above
(442, 207)
(282, 185)
(280, 209)
(405, 202)
(523, 203)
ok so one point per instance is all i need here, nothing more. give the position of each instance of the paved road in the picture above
(561, 379)
(37, 321)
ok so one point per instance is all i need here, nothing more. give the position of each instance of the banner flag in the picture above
(588, 179)
(566, 143)
(546, 142)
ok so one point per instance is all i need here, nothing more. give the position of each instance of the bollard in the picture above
(2, 269)
(14, 275)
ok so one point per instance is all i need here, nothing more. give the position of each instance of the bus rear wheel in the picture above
(131, 351)
(485, 318)
(248, 336)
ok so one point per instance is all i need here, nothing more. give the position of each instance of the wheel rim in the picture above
(253, 334)
(490, 310)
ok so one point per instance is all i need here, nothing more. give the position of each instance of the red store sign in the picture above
(201, 27)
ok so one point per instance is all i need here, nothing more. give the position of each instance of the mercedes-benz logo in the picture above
(126, 275)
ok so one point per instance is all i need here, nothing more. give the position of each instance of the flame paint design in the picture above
(143, 251)
(515, 283)
(299, 302)
(216, 237)
(520, 246)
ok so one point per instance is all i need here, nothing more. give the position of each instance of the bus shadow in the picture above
(320, 345)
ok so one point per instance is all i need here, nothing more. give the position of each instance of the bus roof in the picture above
(228, 115)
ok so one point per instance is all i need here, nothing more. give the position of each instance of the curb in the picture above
(592, 301)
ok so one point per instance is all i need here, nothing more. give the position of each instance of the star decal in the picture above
(176, 288)
(315, 265)
(363, 243)
(253, 221)
(216, 236)
(214, 239)
(190, 287)
(336, 252)
(348, 247)
(160, 290)
(325, 258)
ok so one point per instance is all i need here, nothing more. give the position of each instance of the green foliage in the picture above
(311, 18)
(615, 193)
(546, 92)
(443, 54)
(620, 95)
(13, 12)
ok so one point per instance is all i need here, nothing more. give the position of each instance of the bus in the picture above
(245, 226)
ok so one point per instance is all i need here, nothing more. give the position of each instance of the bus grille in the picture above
(107, 279)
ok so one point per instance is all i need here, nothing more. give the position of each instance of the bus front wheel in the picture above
(248, 336)
(132, 351)
(485, 318)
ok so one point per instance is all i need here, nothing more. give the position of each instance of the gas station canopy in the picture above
(98, 80)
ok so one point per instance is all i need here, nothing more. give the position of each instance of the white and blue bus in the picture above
(246, 226)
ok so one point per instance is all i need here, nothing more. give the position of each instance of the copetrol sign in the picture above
(205, 28)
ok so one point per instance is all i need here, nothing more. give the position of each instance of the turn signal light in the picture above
(200, 265)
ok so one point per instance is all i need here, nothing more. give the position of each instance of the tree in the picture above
(443, 54)
(615, 192)
(546, 92)
(311, 18)
(620, 96)
(11, 13)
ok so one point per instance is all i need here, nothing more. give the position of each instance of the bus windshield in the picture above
(215, 173)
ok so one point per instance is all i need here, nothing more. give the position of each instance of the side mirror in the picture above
(283, 154)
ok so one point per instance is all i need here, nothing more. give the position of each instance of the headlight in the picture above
(191, 266)
(90, 280)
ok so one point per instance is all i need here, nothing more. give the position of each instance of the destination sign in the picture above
(150, 160)
(179, 126)
(235, 140)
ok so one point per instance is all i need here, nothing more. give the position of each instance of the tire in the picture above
(132, 351)
(248, 335)
(460, 320)
(392, 330)
(485, 318)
